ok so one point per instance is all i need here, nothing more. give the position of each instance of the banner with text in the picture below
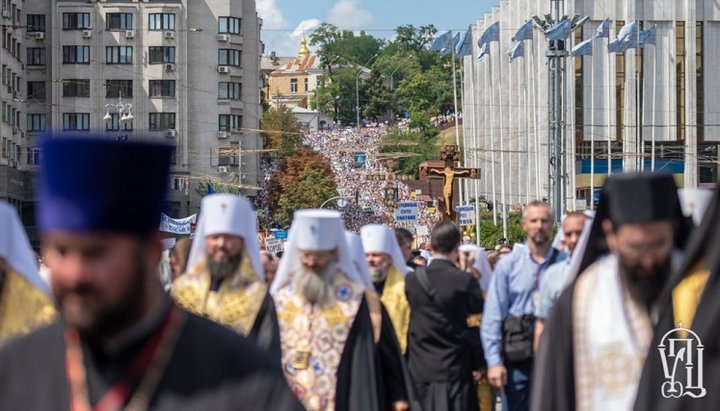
(176, 226)
(466, 214)
(406, 211)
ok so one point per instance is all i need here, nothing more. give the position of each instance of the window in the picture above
(76, 21)
(232, 91)
(293, 85)
(35, 22)
(36, 56)
(33, 154)
(76, 54)
(680, 79)
(35, 122)
(76, 88)
(36, 90)
(306, 84)
(229, 122)
(160, 55)
(118, 88)
(162, 21)
(228, 156)
(119, 21)
(76, 121)
(228, 57)
(230, 25)
(118, 54)
(162, 121)
(162, 88)
(114, 124)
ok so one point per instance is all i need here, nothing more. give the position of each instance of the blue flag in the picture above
(560, 31)
(492, 33)
(583, 48)
(603, 29)
(517, 50)
(211, 189)
(524, 32)
(483, 52)
(442, 43)
(626, 38)
(648, 36)
(464, 46)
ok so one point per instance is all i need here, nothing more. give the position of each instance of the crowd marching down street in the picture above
(355, 314)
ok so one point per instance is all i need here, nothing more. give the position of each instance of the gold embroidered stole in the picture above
(235, 304)
(611, 337)
(686, 296)
(313, 339)
(397, 306)
(23, 307)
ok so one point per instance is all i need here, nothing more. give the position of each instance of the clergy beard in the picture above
(644, 288)
(378, 274)
(106, 321)
(225, 268)
(315, 287)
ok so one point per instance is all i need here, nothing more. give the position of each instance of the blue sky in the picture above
(285, 20)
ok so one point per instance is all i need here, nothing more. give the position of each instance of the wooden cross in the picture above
(450, 155)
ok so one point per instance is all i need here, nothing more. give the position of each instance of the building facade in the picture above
(188, 68)
(293, 83)
(642, 109)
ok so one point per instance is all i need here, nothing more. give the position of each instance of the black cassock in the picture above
(370, 376)
(553, 380)
(212, 368)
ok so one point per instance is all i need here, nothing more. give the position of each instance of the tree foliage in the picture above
(281, 130)
(423, 142)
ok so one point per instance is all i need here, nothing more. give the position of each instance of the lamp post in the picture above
(124, 112)
(357, 91)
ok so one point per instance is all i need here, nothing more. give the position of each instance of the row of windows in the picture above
(10, 43)
(37, 56)
(157, 122)
(123, 21)
(36, 90)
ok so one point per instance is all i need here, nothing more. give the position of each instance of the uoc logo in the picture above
(682, 361)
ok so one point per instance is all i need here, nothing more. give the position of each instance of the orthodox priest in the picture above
(387, 271)
(225, 281)
(25, 298)
(598, 335)
(335, 353)
(121, 343)
(689, 314)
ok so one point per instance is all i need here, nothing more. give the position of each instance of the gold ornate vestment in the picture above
(23, 307)
(313, 338)
(235, 304)
(396, 303)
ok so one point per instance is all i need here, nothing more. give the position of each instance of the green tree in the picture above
(378, 98)
(281, 130)
(310, 192)
(415, 39)
(423, 143)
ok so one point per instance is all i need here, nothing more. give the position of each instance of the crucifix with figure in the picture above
(450, 155)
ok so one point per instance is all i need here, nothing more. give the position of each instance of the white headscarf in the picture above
(16, 250)
(481, 263)
(227, 214)
(377, 238)
(316, 230)
(357, 251)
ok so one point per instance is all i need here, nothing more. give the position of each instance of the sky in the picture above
(285, 20)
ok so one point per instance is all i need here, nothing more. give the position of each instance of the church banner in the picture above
(181, 226)
(466, 214)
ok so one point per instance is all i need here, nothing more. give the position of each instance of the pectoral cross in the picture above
(450, 155)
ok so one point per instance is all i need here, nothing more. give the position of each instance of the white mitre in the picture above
(377, 238)
(227, 214)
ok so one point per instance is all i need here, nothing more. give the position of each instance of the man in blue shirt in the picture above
(511, 301)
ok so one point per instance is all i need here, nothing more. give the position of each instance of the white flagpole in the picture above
(457, 124)
(527, 129)
(502, 147)
(609, 111)
(489, 75)
(654, 86)
(476, 146)
(573, 145)
(592, 125)
(535, 126)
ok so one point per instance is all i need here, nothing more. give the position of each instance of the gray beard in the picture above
(225, 268)
(316, 288)
(378, 274)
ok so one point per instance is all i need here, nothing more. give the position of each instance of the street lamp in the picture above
(124, 112)
(357, 91)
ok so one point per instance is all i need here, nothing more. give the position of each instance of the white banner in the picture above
(274, 245)
(406, 211)
(466, 214)
(176, 226)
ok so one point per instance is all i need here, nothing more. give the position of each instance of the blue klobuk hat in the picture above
(88, 184)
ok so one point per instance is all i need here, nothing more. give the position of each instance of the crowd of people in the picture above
(346, 320)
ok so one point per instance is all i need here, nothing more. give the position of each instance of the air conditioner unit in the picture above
(224, 69)
(6, 13)
(171, 133)
(222, 134)
(222, 169)
(129, 34)
(169, 67)
(223, 37)
(87, 34)
(39, 35)
(169, 34)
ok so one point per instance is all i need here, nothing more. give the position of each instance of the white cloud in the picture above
(271, 14)
(349, 14)
(287, 44)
